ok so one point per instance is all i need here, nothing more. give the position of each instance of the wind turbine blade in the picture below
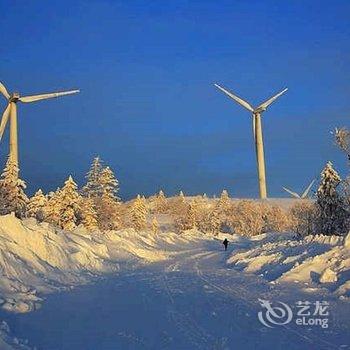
(236, 98)
(272, 99)
(4, 91)
(4, 120)
(46, 96)
(294, 194)
(306, 192)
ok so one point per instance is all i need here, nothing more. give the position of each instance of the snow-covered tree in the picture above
(180, 200)
(191, 217)
(181, 197)
(93, 187)
(69, 200)
(52, 208)
(245, 217)
(177, 206)
(108, 212)
(331, 214)
(222, 207)
(88, 214)
(155, 225)
(102, 187)
(214, 221)
(12, 195)
(342, 140)
(224, 200)
(276, 219)
(139, 214)
(36, 205)
(161, 205)
(109, 184)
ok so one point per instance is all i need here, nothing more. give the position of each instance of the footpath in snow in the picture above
(124, 290)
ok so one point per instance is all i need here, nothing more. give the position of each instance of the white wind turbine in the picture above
(304, 194)
(257, 131)
(11, 113)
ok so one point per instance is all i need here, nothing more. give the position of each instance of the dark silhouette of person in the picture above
(225, 243)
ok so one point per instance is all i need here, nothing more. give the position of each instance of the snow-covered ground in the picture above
(312, 262)
(125, 290)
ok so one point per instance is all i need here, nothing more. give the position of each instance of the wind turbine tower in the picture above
(11, 113)
(257, 132)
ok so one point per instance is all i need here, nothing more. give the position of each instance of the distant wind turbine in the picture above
(257, 131)
(11, 112)
(303, 195)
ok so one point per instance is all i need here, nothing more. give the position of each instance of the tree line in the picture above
(96, 206)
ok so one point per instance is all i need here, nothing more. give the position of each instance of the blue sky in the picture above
(147, 104)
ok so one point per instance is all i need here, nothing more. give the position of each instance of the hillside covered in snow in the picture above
(39, 261)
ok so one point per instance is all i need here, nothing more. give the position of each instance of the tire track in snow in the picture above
(228, 291)
(197, 335)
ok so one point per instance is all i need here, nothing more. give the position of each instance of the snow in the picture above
(322, 260)
(38, 258)
(133, 290)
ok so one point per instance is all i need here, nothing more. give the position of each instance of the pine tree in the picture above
(155, 225)
(224, 200)
(69, 200)
(139, 214)
(331, 213)
(182, 197)
(177, 206)
(214, 221)
(223, 205)
(93, 187)
(191, 218)
(102, 187)
(52, 208)
(108, 212)
(36, 205)
(109, 184)
(180, 201)
(161, 205)
(88, 214)
(13, 197)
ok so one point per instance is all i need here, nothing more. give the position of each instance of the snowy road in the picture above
(189, 302)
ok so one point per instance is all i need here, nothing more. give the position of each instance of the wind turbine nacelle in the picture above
(260, 110)
(14, 97)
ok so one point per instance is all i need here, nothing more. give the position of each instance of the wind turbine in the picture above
(303, 195)
(11, 112)
(257, 131)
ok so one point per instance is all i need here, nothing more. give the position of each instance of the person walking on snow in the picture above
(225, 243)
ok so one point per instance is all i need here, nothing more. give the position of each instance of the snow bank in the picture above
(37, 258)
(8, 342)
(323, 261)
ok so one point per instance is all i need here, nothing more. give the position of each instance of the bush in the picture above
(177, 206)
(303, 215)
(275, 218)
(246, 218)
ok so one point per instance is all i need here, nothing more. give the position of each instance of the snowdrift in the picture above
(323, 261)
(36, 258)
